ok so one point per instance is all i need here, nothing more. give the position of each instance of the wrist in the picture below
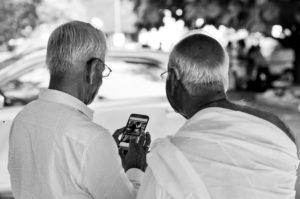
(135, 166)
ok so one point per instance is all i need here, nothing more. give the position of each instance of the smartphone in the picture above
(136, 124)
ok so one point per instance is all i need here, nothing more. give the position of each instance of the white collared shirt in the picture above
(57, 152)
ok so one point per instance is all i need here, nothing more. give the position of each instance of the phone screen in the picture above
(136, 124)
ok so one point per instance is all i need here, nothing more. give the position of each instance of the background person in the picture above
(55, 150)
(257, 70)
(224, 150)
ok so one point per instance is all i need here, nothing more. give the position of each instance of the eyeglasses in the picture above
(164, 75)
(106, 71)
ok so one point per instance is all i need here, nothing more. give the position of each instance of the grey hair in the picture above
(202, 63)
(71, 42)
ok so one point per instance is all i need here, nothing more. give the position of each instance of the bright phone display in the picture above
(136, 124)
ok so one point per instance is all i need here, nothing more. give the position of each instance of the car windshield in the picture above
(132, 80)
(131, 77)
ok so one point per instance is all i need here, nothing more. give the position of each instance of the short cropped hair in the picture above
(202, 63)
(71, 42)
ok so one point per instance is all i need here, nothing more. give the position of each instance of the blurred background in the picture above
(262, 38)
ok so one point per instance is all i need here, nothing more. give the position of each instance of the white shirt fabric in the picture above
(57, 152)
(222, 154)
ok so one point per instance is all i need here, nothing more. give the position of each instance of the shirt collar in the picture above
(66, 99)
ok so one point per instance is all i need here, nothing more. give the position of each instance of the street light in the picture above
(118, 37)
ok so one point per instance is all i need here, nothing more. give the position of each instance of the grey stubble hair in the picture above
(202, 63)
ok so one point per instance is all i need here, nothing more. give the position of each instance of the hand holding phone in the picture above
(136, 155)
(135, 143)
(135, 126)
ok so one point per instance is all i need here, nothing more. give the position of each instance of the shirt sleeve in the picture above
(147, 189)
(102, 173)
(135, 176)
(150, 189)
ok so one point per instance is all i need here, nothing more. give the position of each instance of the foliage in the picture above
(17, 19)
(59, 11)
(254, 15)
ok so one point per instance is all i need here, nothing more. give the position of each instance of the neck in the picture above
(75, 90)
(199, 102)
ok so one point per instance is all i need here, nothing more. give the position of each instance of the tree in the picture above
(254, 15)
(17, 19)
(60, 11)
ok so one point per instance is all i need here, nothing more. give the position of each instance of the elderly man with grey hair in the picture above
(55, 150)
(224, 150)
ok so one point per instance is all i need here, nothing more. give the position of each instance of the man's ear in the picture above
(173, 78)
(91, 71)
(173, 81)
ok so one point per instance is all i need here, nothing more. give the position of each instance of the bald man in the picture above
(224, 150)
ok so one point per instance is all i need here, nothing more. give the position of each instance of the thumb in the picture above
(117, 134)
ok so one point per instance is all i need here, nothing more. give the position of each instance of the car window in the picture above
(129, 79)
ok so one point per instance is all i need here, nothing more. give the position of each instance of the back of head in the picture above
(72, 43)
(202, 63)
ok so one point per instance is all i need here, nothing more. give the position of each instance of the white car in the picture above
(134, 86)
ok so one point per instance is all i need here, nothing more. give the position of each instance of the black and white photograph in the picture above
(149, 99)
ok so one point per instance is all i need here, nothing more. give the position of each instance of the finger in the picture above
(142, 140)
(132, 144)
(148, 139)
(117, 134)
(122, 153)
(147, 142)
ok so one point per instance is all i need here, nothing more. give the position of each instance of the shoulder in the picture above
(275, 120)
(27, 111)
(80, 130)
